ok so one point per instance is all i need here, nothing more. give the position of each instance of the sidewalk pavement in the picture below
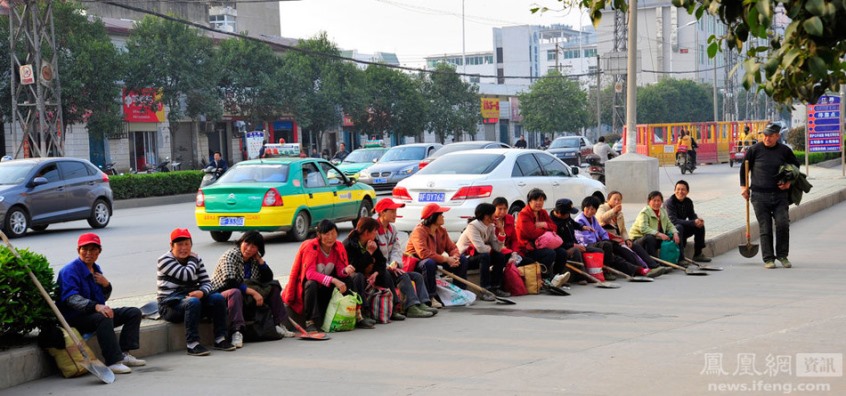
(723, 211)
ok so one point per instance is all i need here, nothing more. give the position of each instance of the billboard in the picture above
(138, 106)
(490, 108)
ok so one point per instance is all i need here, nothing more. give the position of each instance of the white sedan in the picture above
(464, 179)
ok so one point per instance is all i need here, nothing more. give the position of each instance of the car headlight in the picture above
(2, 198)
(363, 174)
(407, 170)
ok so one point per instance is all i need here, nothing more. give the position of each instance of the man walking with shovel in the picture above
(769, 196)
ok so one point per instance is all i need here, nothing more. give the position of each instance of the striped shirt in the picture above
(173, 275)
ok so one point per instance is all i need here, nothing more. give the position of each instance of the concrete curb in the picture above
(28, 363)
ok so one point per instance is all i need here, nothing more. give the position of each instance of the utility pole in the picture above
(598, 98)
(620, 45)
(36, 91)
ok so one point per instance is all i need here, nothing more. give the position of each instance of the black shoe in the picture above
(500, 293)
(224, 346)
(311, 328)
(365, 323)
(198, 350)
(396, 316)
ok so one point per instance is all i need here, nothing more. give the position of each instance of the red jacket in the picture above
(527, 231)
(511, 243)
(304, 266)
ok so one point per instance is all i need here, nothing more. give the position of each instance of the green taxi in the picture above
(280, 194)
(361, 159)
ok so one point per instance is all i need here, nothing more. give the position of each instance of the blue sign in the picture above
(824, 131)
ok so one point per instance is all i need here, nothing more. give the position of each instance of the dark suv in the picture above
(37, 192)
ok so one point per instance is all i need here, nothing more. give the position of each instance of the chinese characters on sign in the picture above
(490, 108)
(806, 365)
(139, 106)
(824, 125)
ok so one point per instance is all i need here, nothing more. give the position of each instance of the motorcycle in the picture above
(109, 169)
(163, 166)
(211, 175)
(596, 169)
(684, 160)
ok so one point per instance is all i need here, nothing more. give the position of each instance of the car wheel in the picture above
(17, 221)
(220, 236)
(299, 230)
(365, 210)
(39, 228)
(100, 214)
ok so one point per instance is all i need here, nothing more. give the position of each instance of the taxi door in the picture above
(319, 194)
(346, 204)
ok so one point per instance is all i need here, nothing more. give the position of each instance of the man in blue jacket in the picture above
(83, 291)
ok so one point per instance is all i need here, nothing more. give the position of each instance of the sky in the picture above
(414, 29)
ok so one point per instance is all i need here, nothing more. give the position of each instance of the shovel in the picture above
(688, 271)
(629, 277)
(304, 335)
(703, 267)
(748, 250)
(480, 289)
(150, 310)
(599, 284)
(95, 367)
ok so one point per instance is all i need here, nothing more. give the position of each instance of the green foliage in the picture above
(452, 104)
(155, 184)
(178, 60)
(392, 102)
(606, 105)
(318, 88)
(672, 100)
(801, 63)
(796, 138)
(22, 309)
(815, 158)
(248, 85)
(554, 104)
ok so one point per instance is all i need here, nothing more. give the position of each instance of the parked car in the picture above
(398, 163)
(361, 159)
(461, 180)
(462, 146)
(37, 192)
(280, 194)
(571, 149)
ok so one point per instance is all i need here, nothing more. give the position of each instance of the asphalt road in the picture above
(766, 331)
(136, 237)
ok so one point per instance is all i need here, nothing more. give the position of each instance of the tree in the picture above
(452, 105)
(89, 67)
(801, 63)
(318, 86)
(606, 105)
(247, 83)
(553, 104)
(392, 102)
(178, 60)
(672, 100)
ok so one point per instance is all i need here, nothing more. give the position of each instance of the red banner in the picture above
(137, 107)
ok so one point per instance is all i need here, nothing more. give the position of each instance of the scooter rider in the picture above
(685, 139)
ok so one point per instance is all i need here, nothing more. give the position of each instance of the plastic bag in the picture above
(341, 312)
(670, 251)
(452, 296)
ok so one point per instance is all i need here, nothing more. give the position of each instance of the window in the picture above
(552, 167)
(500, 76)
(592, 70)
(312, 177)
(590, 53)
(73, 170)
(498, 54)
(332, 174)
(550, 54)
(526, 165)
(49, 172)
(489, 59)
(571, 54)
(475, 79)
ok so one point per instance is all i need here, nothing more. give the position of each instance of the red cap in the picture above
(431, 209)
(88, 239)
(387, 204)
(178, 233)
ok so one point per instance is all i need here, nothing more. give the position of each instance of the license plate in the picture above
(430, 197)
(231, 221)
(380, 180)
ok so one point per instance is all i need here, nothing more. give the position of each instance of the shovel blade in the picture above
(695, 272)
(100, 371)
(748, 250)
(641, 279)
(607, 285)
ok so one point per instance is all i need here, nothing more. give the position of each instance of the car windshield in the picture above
(466, 164)
(450, 148)
(255, 173)
(400, 153)
(14, 173)
(359, 156)
(565, 143)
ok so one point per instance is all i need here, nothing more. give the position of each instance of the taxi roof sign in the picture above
(282, 150)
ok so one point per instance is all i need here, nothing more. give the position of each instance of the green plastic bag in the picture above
(341, 312)
(670, 251)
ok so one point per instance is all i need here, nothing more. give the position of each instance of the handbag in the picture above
(593, 264)
(341, 312)
(670, 251)
(409, 263)
(381, 302)
(69, 359)
(532, 277)
(548, 240)
(453, 296)
(263, 327)
(512, 282)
